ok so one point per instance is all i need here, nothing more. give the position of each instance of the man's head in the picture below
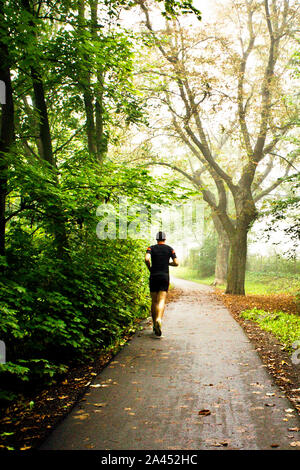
(161, 237)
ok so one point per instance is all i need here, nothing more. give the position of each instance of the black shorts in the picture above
(159, 282)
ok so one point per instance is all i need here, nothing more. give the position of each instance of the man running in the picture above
(159, 280)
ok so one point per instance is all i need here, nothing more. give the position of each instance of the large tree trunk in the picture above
(246, 214)
(222, 252)
(237, 263)
(6, 131)
(221, 267)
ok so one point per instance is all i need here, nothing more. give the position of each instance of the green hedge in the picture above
(55, 313)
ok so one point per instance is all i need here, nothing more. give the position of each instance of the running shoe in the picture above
(157, 327)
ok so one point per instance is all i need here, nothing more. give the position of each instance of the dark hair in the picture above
(161, 236)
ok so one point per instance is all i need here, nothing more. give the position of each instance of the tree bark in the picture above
(221, 259)
(237, 263)
(221, 266)
(41, 107)
(7, 129)
(85, 83)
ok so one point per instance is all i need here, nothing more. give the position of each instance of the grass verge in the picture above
(258, 283)
(285, 326)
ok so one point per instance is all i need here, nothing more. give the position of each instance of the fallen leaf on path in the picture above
(204, 412)
(269, 404)
(220, 444)
(274, 445)
(294, 429)
(295, 444)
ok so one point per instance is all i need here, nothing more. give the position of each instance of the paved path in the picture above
(150, 395)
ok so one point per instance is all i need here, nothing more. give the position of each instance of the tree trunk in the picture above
(222, 252)
(40, 105)
(100, 137)
(90, 125)
(237, 263)
(85, 84)
(6, 131)
(222, 259)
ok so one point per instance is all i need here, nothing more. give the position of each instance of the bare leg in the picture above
(159, 302)
(153, 305)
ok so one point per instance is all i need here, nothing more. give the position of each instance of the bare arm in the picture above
(147, 261)
(174, 262)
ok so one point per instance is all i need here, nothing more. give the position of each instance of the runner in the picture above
(157, 260)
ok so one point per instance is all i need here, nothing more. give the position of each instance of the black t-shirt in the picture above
(160, 257)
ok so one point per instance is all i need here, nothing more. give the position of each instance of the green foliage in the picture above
(272, 282)
(257, 283)
(58, 314)
(274, 265)
(298, 300)
(286, 209)
(285, 326)
(56, 311)
(65, 294)
(203, 260)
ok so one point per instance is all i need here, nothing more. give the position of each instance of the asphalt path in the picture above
(150, 395)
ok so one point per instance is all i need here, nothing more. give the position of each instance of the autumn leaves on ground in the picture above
(274, 354)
